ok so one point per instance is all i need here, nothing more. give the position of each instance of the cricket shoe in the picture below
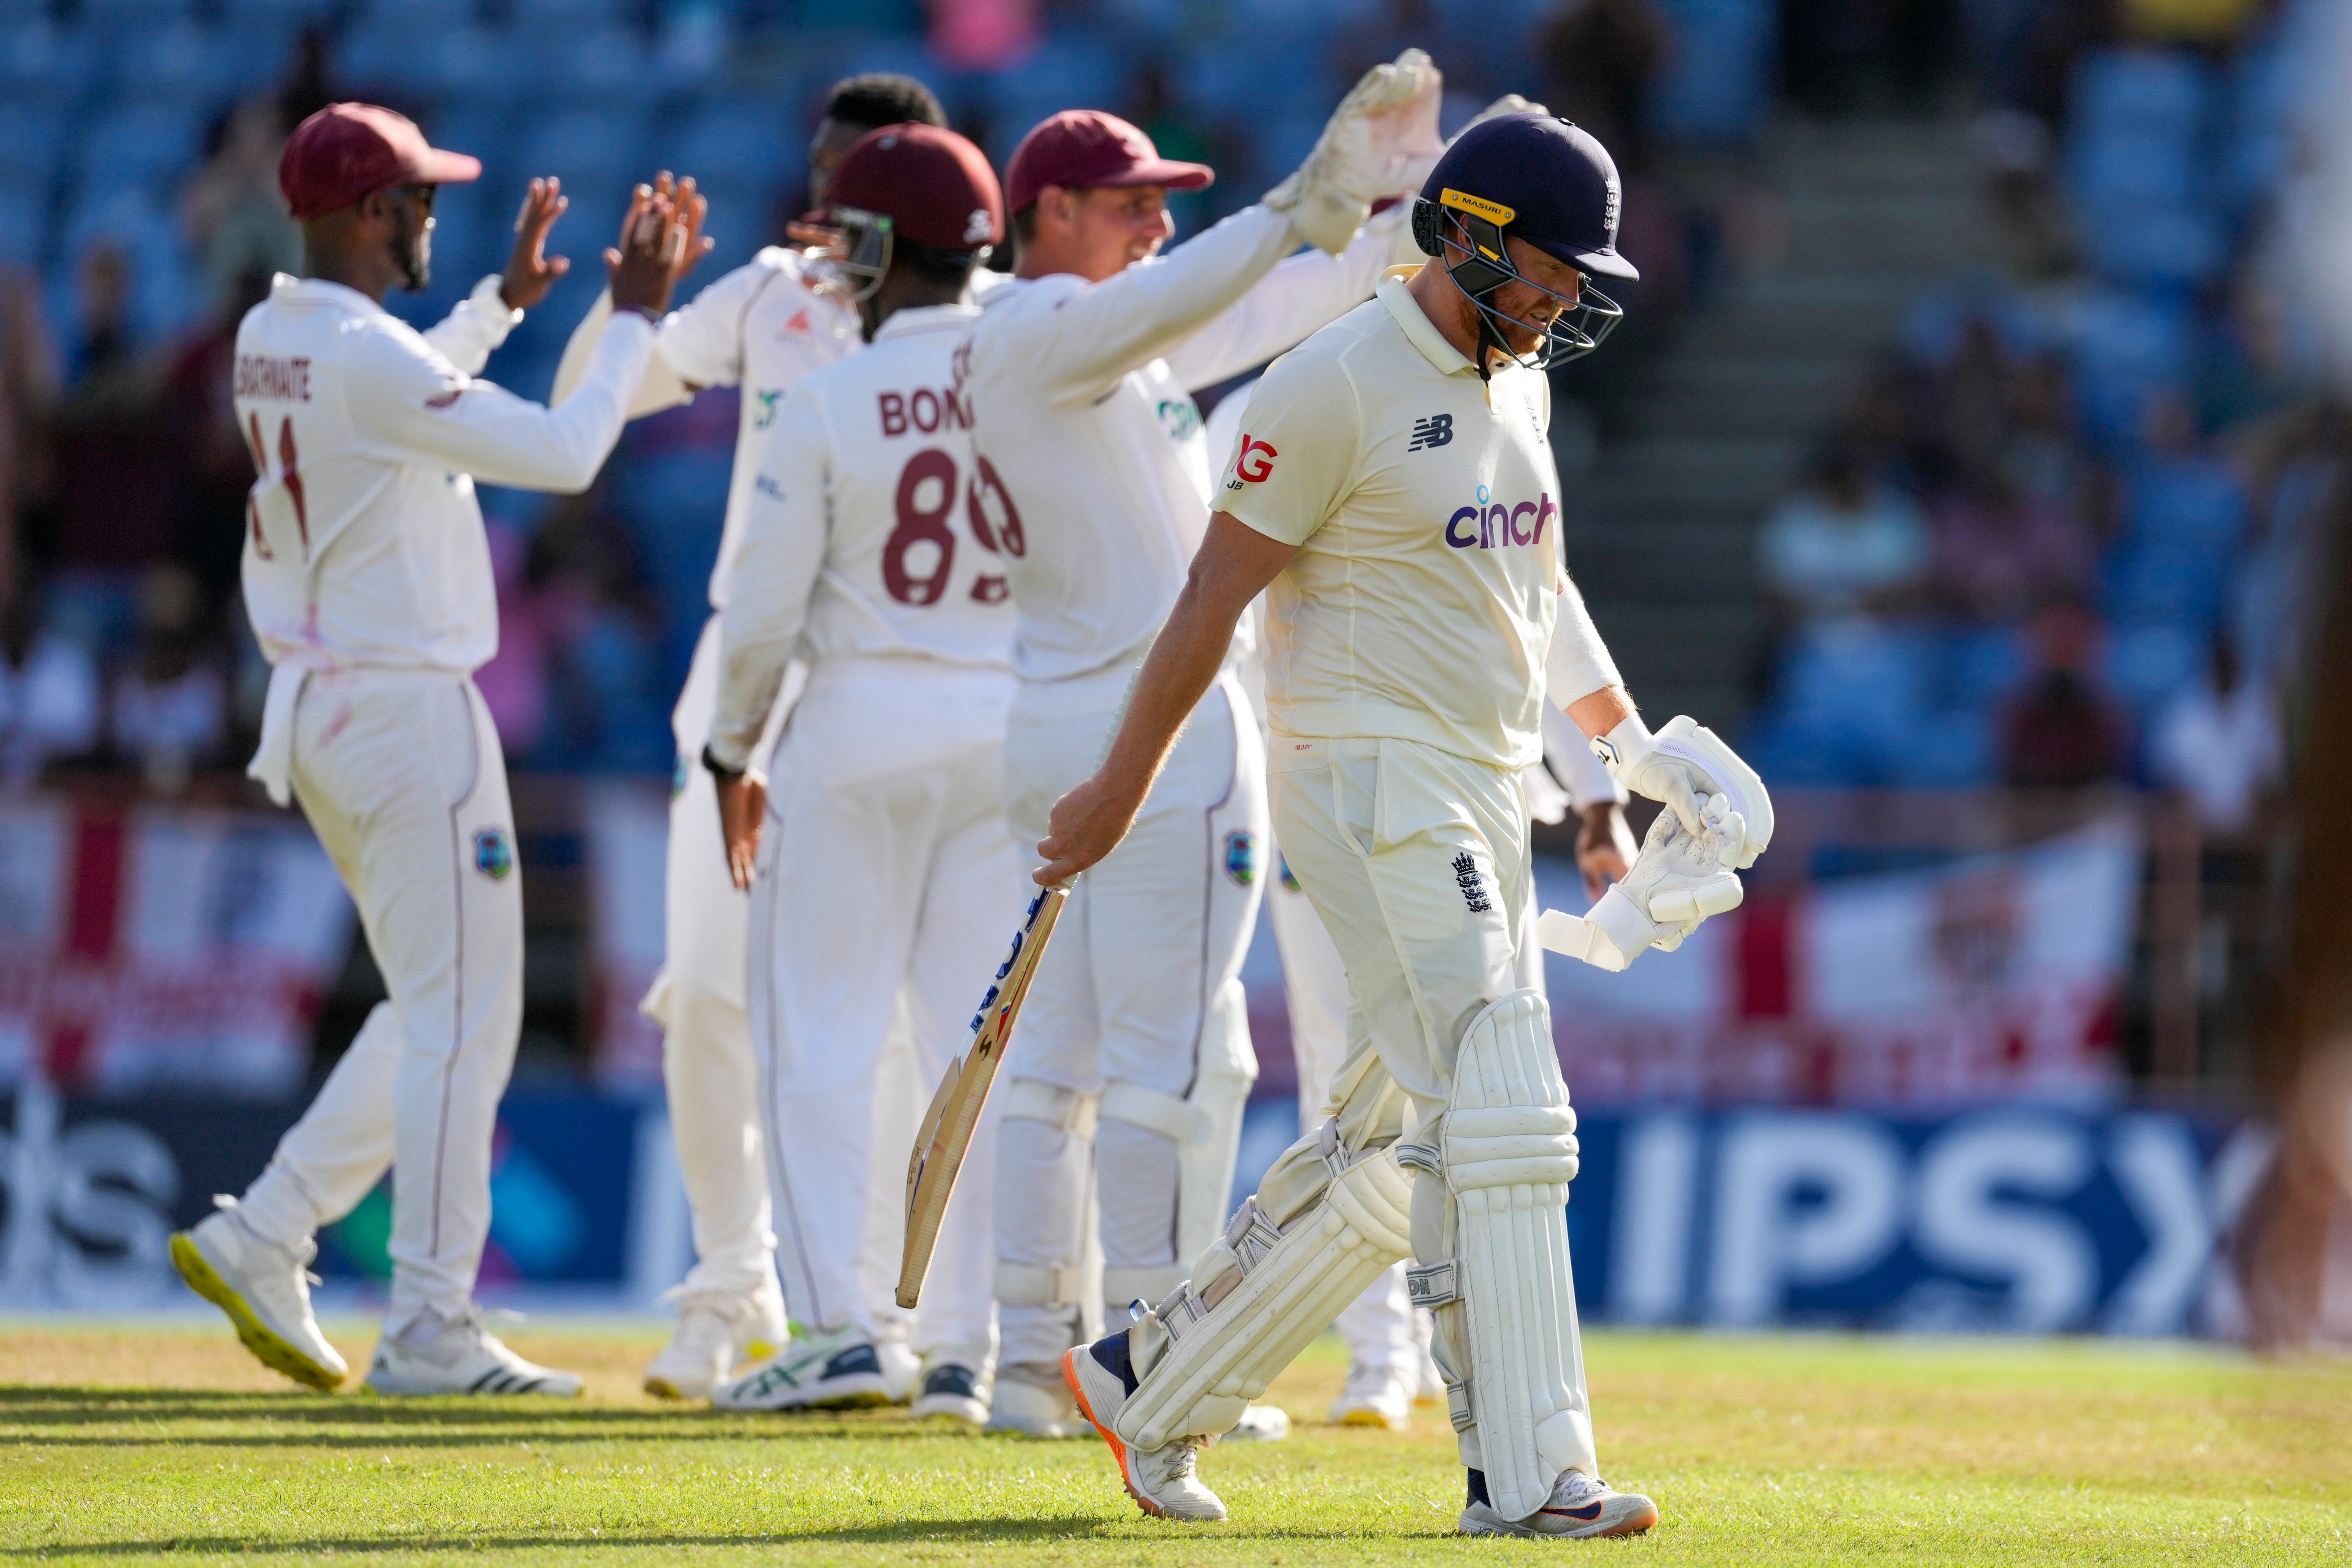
(1374, 1395)
(461, 1357)
(266, 1292)
(1165, 1482)
(900, 1367)
(717, 1329)
(1581, 1507)
(835, 1371)
(951, 1392)
(1260, 1424)
(1031, 1400)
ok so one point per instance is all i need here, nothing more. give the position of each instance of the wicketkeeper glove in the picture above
(1683, 767)
(1679, 878)
(1381, 140)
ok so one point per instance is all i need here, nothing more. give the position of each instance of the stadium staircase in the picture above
(1662, 528)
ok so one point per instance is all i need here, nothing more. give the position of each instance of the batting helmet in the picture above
(1537, 178)
(911, 185)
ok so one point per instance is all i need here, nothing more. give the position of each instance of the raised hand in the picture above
(692, 208)
(530, 272)
(653, 246)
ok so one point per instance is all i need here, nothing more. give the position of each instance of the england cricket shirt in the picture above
(1425, 506)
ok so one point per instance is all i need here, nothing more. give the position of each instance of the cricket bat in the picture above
(946, 1132)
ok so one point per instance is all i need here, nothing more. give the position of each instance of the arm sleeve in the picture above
(661, 388)
(1588, 781)
(1296, 460)
(1300, 295)
(1098, 332)
(481, 323)
(784, 536)
(411, 404)
(1578, 662)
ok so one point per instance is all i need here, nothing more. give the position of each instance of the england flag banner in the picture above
(150, 946)
(1994, 977)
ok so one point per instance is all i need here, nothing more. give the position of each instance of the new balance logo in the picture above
(1472, 886)
(1434, 431)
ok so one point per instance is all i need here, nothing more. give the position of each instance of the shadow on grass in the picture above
(999, 1532)
(437, 1422)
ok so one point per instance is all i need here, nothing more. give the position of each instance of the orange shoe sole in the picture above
(1117, 1449)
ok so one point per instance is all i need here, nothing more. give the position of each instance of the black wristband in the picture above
(720, 770)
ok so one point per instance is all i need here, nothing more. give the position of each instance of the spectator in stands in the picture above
(2219, 744)
(113, 463)
(233, 211)
(2182, 510)
(213, 458)
(48, 696)
(1603, 56)
(1998, 549)
(1844, 543)
(171, 707)
(2060, 729)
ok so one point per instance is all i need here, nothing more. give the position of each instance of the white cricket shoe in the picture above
(1374, 1395)
(461, 1357)
(1260, 1424)
(266, 1292)
(835, 1370)
(900, 1367)
(1165, 1482)
(951, 1392)
(717, 1329)
(1581, 1507)
(1026, 1405)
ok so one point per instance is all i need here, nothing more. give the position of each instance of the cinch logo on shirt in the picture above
(1490, 525)
(923, 410)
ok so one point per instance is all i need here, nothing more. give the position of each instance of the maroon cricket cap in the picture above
(935, 187)
(347, 152)
(1079, 148)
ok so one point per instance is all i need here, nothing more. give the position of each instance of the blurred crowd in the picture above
(2055, 538)
(2063, 535)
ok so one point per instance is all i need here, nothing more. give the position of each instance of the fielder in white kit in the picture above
(762, 326)
(1419, 619)
(870, 550)
(368, 580)
(1133, 1062)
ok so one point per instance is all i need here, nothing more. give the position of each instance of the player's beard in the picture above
(413, 254)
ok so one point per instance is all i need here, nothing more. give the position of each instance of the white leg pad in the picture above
(1262, 1294)
(1509, 1152)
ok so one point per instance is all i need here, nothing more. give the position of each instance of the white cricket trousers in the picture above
(1377, 832)
(1379, 1327)
(400, 774)
(1138, 1001)
(708, 1071)
(884, 865)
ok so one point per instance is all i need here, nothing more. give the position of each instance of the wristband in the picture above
(720, 770)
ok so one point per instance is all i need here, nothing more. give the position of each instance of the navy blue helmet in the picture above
(1534, 177)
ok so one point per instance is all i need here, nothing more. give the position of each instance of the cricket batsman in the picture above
(1134, 1060)
(762, 326)
(368, 580)
(1394, 487)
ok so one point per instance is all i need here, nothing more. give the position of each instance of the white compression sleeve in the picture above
(1578, 663)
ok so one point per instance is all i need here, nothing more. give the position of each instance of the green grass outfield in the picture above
(127, 1442)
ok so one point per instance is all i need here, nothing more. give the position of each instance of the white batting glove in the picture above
(1675, 883)
(1684, 767)
(1381, 140)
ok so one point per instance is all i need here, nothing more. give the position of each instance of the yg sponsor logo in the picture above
(1256, 460)
(1491, 524)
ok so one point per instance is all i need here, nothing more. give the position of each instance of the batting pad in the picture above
(1258, 1296)
(1509, 1150)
